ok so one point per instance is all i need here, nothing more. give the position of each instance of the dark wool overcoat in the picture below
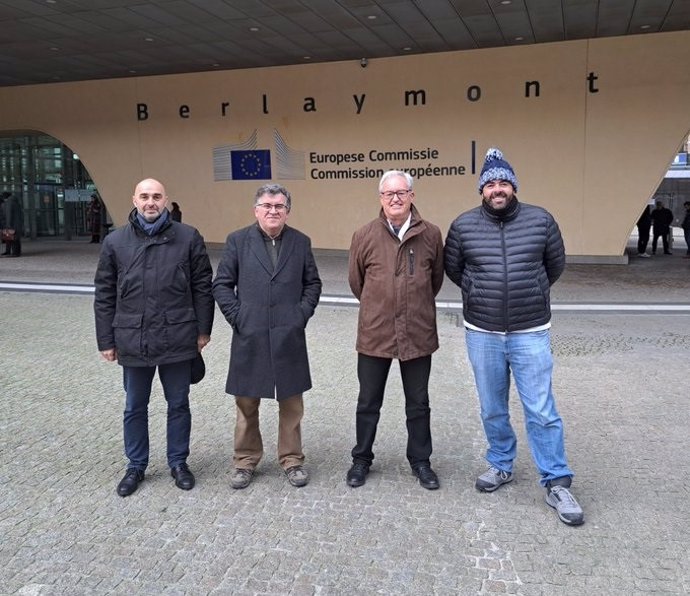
(268, 308)
(153, 294)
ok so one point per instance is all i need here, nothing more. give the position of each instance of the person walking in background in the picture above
(662, 218)
(505, 255)
(395, 271)
(686, 228)
(3, 197)
(267, 286)
(154, 310)
(644, 223)
(14, 224)
(175, 212)
(93, 214)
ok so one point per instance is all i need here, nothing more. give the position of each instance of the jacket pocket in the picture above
(181, 328)
(180, 315)
(127, 333)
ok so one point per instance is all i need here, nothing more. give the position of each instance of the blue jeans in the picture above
(528, 356)
(175, 379)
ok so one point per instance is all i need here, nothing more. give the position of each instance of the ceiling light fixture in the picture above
(645, 26)
(519, 38)
(372, 17)
(306, 57)
(254, 29)
(54, 49)
(506, 2)
(148, 39)
(407, 49)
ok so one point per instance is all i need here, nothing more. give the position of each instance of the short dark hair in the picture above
(273, 189)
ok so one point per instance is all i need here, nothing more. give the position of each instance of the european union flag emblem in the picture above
(252, 164)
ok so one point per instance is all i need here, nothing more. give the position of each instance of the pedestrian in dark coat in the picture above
(267, 286)
(94, 215)
(686, 228)
(14, 220)
(662, 218)
(176, 212)
(644, 224)
(3, 197)
(154, 310)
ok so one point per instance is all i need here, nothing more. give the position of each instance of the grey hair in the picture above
(273, 189)
(391, 173)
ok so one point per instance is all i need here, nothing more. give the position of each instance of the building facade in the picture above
(591, 128)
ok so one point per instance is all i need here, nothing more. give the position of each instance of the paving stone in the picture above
(621, 387)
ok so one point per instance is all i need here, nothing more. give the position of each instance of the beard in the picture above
(499, 200)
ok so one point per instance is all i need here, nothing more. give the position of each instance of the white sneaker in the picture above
(568, 509)
(644, 255)
(492, 479)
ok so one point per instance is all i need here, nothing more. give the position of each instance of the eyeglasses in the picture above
(279, 207)
(401, 194)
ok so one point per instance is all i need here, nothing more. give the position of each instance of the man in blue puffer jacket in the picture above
(505, 255)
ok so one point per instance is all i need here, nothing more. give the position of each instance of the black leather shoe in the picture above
(357, 475)
(183, 476)
(130, 482)
(427, 477)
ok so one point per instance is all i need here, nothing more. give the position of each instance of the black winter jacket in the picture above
(505, 263)
(153, 294)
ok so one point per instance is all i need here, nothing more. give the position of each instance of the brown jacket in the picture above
(396, 284)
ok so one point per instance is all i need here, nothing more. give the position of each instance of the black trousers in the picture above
(642, 240)
(14, 247)
(664, 239)
(372, 373)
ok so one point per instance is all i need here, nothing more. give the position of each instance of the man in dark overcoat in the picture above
(662, 218)
(267, 286)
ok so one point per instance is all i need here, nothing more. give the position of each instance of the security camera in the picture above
(363, 62)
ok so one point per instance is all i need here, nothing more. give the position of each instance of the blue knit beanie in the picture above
(496, 168)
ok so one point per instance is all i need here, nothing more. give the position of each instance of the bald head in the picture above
(150, 199)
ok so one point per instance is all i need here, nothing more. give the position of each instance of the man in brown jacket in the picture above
(395, 271)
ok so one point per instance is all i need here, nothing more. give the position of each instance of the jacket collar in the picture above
(415, 220)
(500, 215)
(257, 245)
(134, 220)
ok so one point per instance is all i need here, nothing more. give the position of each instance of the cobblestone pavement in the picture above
(621, 386)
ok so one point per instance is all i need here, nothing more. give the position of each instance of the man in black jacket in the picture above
(505, 255)
(154, 310)
(686, 228)
(662, 218)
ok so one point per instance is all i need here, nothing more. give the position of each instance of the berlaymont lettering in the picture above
(379, 160)
(590, 127)
(416, 97)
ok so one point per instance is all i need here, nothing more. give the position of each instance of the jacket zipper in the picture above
(505, 277)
